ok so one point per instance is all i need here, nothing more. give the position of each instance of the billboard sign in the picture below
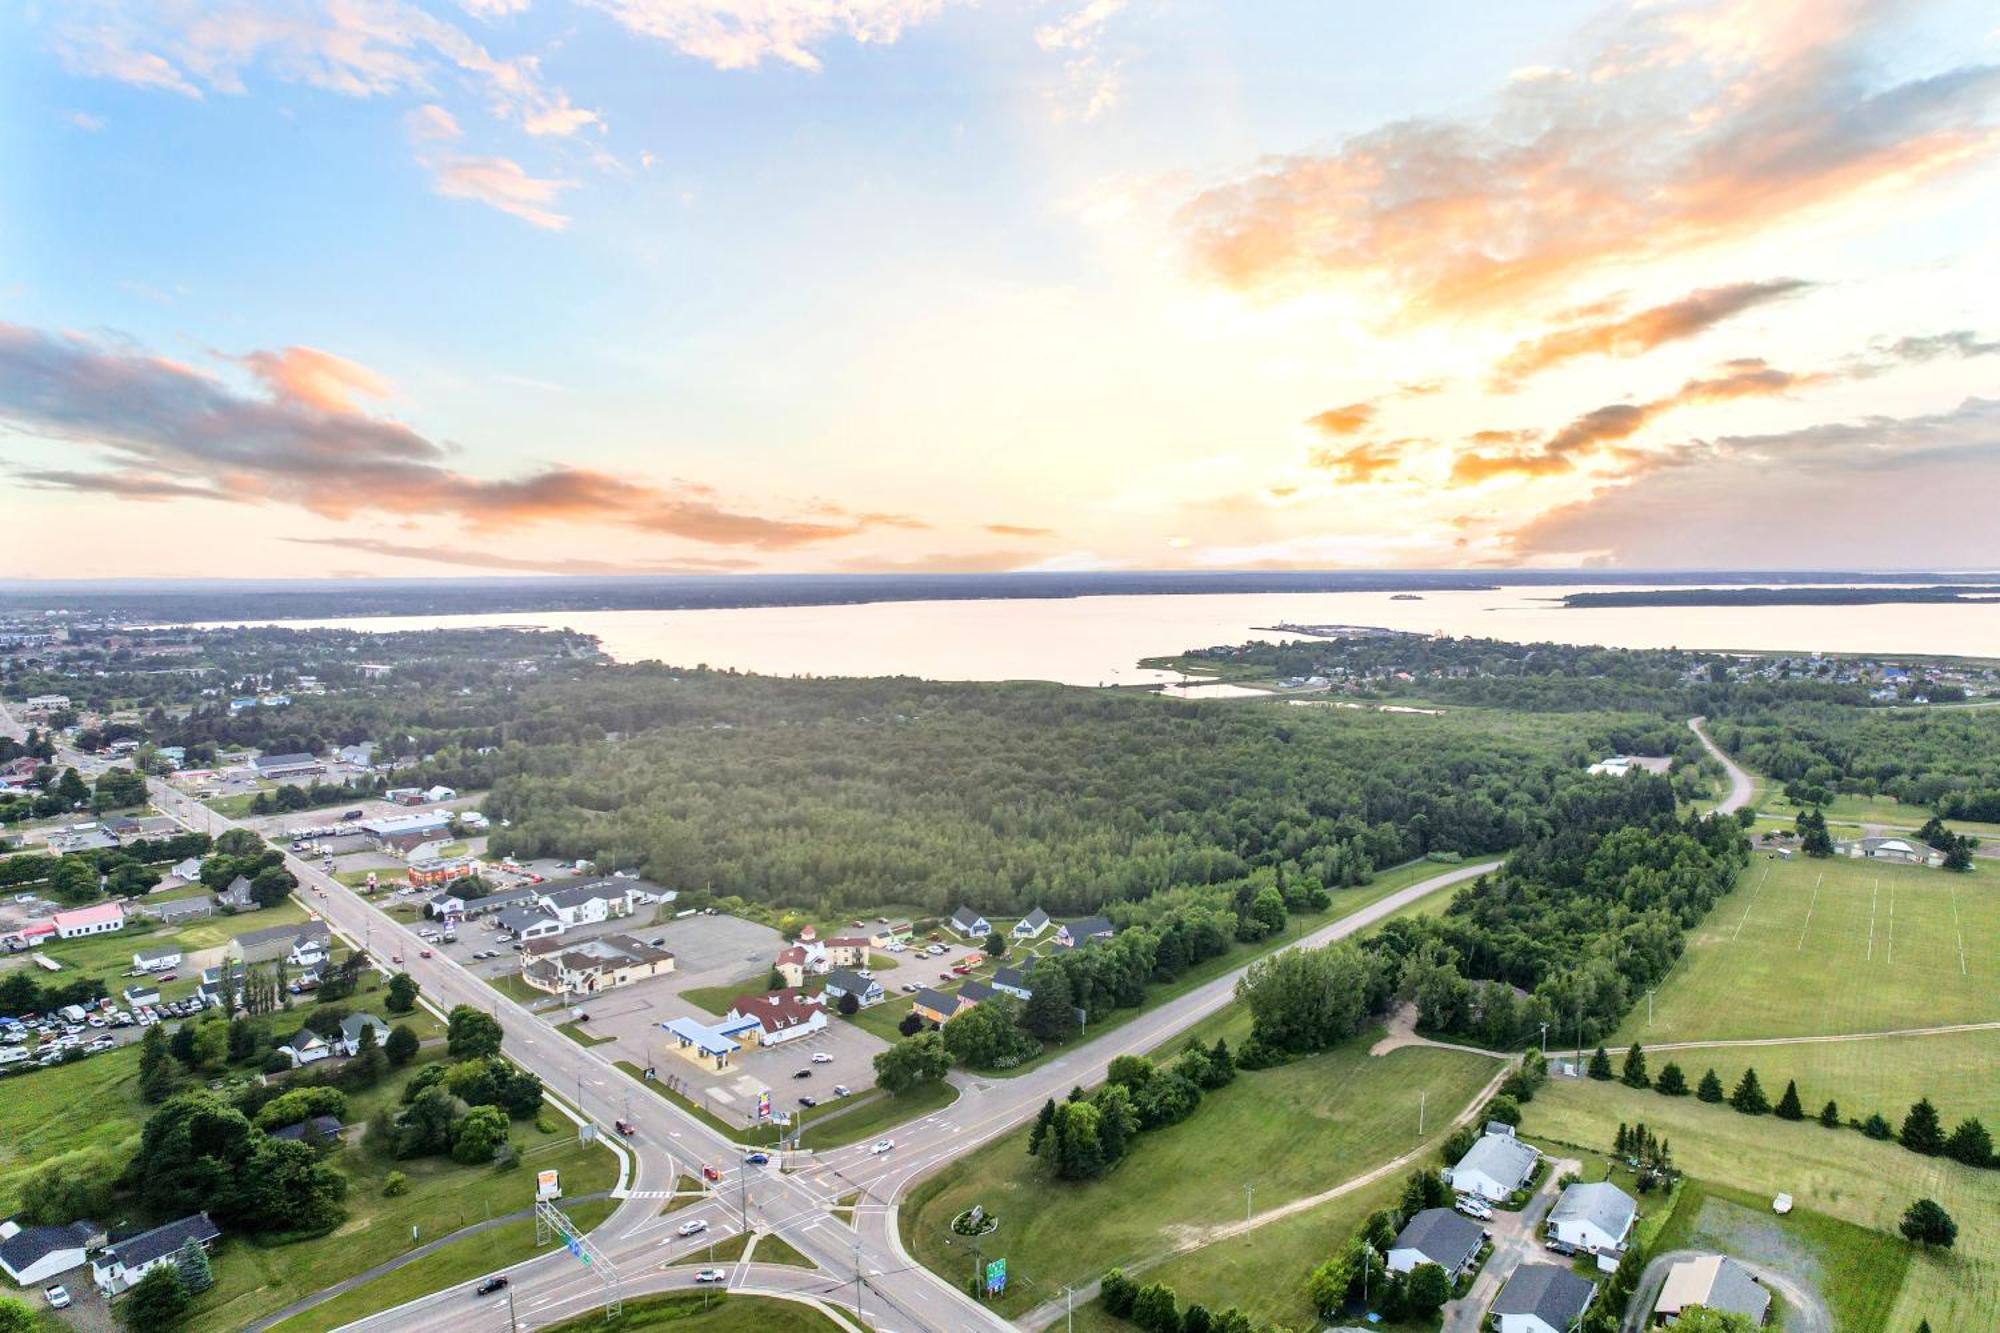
(996, 1277)
(764, 1104)
(547, 1184)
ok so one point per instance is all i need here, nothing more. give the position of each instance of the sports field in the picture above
(1809, 947)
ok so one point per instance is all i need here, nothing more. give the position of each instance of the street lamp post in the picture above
(1249, 1191)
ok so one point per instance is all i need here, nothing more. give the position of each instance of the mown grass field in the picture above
(1836, 1173)
(1811, 947)
(1957, 1071)
(1884, 810)
(709, 1313)
(1287, 1132)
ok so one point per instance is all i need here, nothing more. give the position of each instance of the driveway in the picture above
(1807, 1312)
(1514, 1244)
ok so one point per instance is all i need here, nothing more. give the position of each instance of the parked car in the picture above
(694, 1228)
(802, 1073)
(489, 1286)
(822, 1058)
(58, 1296)
(842, 1090)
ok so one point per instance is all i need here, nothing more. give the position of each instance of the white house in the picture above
(780, 1016)
(586, 904)
(123, 1264)
(593, 965)
(141, 994)
(1436, 1236)
(350, 1032)
(1494, 1167)
(1032, 925)
(33, 1255)
(1596, 1217)
(188, 870)
(866, 991)
(305, 1047)
(1542, 1298)
(1014, 982)
(160, 958)
(1712, 1282)
(970, 924)
(101, 919)
(1073, 933)
(307, 951)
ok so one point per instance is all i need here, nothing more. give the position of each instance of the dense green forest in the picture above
(849, 793)
(1945, 760)
(1589, 911)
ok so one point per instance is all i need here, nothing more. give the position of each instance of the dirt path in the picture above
(1945, 1030)
(1741, 788)
(1402, 1027)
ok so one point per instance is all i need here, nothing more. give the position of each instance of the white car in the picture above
(694, 1228)
(711, 1275)
(882, 1146)
(58, 1297)
(1476, 1208)
(822, 1058)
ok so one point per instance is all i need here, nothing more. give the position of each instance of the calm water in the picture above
(1099, 640)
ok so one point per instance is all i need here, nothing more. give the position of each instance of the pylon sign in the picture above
(764, 1104)
(996, 1277)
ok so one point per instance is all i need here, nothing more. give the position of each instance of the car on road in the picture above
(710, 1173)
(822, 1057)
(58, 1296)
(711, 1275)
(489, 1286)
(694, 1228)
(396, 958)
(423, 953)
(802, 1073)
(881, 1146)
(757, 1158)
(625, 1127)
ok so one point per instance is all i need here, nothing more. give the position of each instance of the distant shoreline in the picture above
(1963, 594)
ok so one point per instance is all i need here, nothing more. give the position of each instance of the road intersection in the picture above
(893, 1291)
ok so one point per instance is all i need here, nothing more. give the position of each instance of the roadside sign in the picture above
(996, 1277)
(764, 1104)
(547, 1184)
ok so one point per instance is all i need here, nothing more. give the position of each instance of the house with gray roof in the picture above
(123, 1264)
(1711, 1282)
(1542, 1298)
(970, 924)
(975, 992)
(1494, 1167)
(237, 897)
(1436, 1236)
(350, 1032)
(176, 910)
(1596, 1217)
(866, 990)
(1083, 931)
(1032, 925)
(32, 1255)
(530, 923)
(313, 1130)
(273, 942)
(1014, 982)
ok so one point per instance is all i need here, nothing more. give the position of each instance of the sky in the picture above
(414, 287)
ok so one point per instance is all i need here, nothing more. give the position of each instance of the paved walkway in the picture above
(407, 1257)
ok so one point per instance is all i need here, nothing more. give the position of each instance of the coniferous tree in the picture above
(1710, 1089)
(1748, 1096)
(1671, 1082)
(1788, 1105)
(1922, 1131)
(1634, 1074)
(1600, 1065)
(1829, 1115)
(1039, 1134)
(1970, 1144)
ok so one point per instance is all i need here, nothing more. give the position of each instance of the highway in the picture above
(896, 1295)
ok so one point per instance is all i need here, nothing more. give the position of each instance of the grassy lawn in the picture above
(574, 1031)
(705, 1313)
(1811, 947)
(1884, 810)
(1287, 1132)
(715, 999)
(39, 1117)
(1955, 1070)
(511, 985)
(461, 1261)
(775, 1249)
(232, 807)
(443, 1196)
(1855, 1270)
(1840, 1175)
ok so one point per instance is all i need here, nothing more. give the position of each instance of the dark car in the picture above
(350, 815)
(802, 1073)
(808, 1102)
(489, 1286)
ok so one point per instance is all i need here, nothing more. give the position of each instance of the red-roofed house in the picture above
(780, 1015)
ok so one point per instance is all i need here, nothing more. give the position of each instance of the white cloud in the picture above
(502, 183)
(83, 120)
(742, 34)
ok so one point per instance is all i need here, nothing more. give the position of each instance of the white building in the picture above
(123, 1264)
(1494, 1167)
(1542, 1298)
(33, 1255)
(101, 919)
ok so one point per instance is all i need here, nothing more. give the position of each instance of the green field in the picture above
(1839, 1174)
(1956, 1070)
(1287, 1133)
(1883, 810)
(1810, 947)
(460, 1261)
(39, 1120)
(705, 1313)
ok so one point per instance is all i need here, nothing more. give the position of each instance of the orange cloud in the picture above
(1640, 332)
(1343, 420)
(315, 378)
(1679, 126)
(1018, 530)
(1363, 462)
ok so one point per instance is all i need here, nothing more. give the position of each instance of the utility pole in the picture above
(1069, 1307)
(1649, 1008)
(857, 1276)
(1423, 1096)
(511, 1324)
(1545, 1041)
(743, 1196)
(1249, 1190)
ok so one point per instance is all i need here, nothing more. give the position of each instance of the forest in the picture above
(1947, 761)
(849, 793)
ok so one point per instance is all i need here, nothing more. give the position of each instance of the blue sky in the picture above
(381, 286)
